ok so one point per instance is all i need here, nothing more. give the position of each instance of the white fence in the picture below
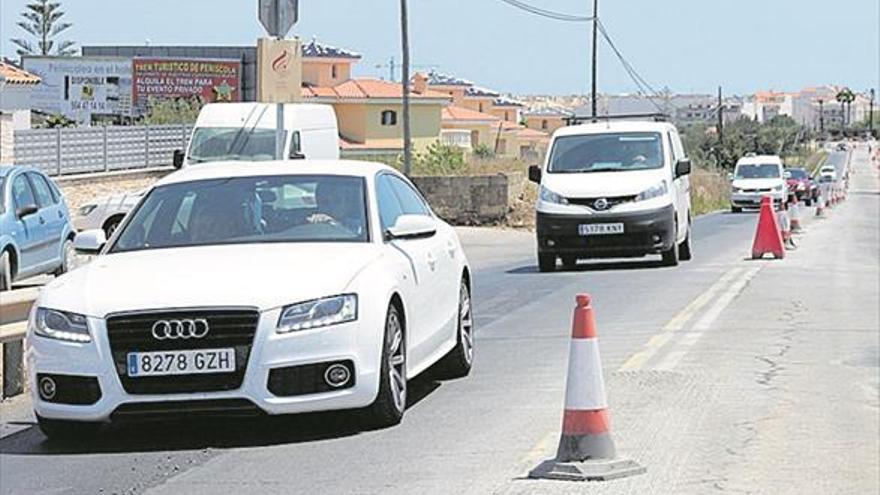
(77, 150)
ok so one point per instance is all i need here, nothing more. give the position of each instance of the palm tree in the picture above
(407, 138)
(845, 97)
(42, 20)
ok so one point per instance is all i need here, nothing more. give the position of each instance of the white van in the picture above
(613, 189)
(246, 131)
(754, 177)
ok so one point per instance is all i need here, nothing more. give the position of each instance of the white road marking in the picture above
(706, 321)
(656, 342)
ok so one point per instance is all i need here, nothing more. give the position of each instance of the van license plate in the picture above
(163, 363)
(600, 228)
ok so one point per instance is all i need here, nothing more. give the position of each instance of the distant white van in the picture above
(246, 131)
(754, 177)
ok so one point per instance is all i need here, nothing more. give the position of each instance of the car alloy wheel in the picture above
(466, 324)
(397, 362)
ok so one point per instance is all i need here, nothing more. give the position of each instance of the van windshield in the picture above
(606, 152)
(232, 143)
(757, 171)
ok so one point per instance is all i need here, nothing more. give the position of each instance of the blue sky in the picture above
(687, 45)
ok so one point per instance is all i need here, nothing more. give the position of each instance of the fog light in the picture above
(655, 238)
(550, 242)
(47, 388)
(337, 375)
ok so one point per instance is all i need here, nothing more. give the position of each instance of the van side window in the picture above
(295, 146)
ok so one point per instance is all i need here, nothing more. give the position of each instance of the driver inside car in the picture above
(224, 214)
(339, 202)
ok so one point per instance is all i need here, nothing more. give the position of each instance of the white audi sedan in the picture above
(254, 287)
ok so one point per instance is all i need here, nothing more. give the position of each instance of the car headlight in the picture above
(654, 191)
(736, 189)
(84, 211)
(61, 325)
(318, 313)
(549, 196)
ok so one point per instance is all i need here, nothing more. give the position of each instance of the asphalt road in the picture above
(723, 374)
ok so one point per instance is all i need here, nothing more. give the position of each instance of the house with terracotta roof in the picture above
(490, 118)
(16, 85)
(369, 111)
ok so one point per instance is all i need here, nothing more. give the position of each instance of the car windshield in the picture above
(242, 210)
(232, 143)
(606, 152)
(757, 171)
(795, 173)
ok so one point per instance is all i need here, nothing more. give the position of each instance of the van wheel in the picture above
(546, 262)
(670, 256)
(5, 271)
(569, 261)
(736, 209)
(684, 249)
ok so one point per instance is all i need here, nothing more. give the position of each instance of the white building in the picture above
(15, 106)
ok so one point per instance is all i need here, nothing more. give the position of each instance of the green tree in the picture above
(42, 20)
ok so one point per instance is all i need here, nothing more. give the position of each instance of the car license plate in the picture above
(600, 228)
(162, 363)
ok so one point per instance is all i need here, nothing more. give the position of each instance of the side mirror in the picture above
(412, 227)
(90, 241)
(177, 160)
(535, 174)
(682, 168)
(26, 210)
(730, 177)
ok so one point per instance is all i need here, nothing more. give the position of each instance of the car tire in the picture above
(684, 249)
(736, 209)
(390, 404)
(5, 271)
(68, 257)
(111, 224)
(546, 262)
(458, 362)
(569, 261)
(62, 430)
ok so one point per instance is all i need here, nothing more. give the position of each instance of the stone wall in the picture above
(466, 200)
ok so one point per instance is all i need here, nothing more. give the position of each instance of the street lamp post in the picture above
(404, 42)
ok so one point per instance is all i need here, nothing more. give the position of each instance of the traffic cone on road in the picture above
(768, 238)
(586, 450)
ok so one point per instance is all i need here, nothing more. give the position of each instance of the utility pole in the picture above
(821, 118)
(720, 155)
(595, 56)
(404, 39)
(871, 113)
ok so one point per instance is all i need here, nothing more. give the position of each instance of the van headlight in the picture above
(654, 191)
(777, 188)
(549, 196)
(318, 313)
(61, 325)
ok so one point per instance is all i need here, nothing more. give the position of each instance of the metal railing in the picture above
(77, 150)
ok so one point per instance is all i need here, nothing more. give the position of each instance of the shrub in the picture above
(483, 151)
(438, 159)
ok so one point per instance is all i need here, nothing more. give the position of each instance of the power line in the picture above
(559, 16)
(643, 87)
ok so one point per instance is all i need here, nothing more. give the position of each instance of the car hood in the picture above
(264, 276)
(603, 184)
(756, 183)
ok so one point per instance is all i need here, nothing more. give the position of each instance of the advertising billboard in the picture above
(80, 87)
(213, 80)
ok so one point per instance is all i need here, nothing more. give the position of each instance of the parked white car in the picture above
(232, 132)
(613, 189)
(754, 177)
(254, 286)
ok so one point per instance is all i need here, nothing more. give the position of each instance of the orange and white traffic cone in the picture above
(768, 235)
(586, 450)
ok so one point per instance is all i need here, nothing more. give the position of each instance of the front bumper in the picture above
(348, 343)
(753, 200)
(648, 232)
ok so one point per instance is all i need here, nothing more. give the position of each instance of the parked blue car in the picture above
(36, 235)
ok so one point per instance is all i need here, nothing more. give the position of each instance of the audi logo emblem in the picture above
(600, 204)
(180, 329)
